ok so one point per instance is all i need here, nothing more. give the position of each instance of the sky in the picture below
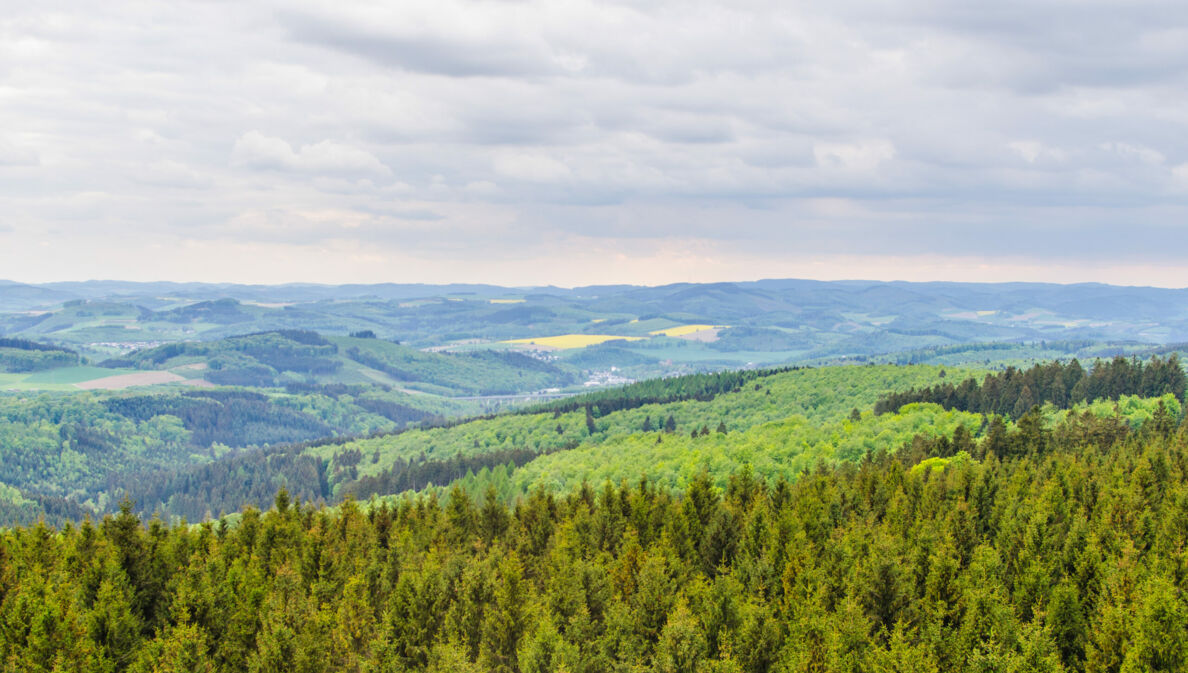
(566, 142)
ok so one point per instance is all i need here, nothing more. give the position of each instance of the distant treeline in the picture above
(1014, 391)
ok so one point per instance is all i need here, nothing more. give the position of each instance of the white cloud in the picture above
(531, 167)
(167, 173)
(1181, 174)
(862, 156)
(1033, 151)
(1140, 153)
(12, 154)
(256, 150)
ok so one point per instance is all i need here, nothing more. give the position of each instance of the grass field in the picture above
(684, 330)
(564, 341)
(73, 374)
(63, 378)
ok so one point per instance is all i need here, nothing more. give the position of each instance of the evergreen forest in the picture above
(1033, 548)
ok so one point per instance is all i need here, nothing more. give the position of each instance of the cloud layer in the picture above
(572, 142)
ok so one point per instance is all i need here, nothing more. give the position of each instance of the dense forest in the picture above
(1013, 392)
(1034, 548)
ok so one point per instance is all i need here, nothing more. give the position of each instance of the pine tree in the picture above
(506, 621)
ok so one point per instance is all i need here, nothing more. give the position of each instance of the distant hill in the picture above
(760, 323)
(282, 357)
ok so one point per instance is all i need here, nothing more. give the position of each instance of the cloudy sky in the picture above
(573, 142)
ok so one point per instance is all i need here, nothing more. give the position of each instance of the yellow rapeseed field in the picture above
(570, 340)
(682, 330)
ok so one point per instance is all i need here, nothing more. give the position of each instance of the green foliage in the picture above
(779, 448)
(732, 401)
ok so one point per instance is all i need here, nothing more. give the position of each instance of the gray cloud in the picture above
(477, 130)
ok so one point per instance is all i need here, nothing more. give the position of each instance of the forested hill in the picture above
(781, 422)
(687, 415)
(1038, 549)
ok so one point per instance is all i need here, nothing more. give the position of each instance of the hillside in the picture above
(64, 455)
